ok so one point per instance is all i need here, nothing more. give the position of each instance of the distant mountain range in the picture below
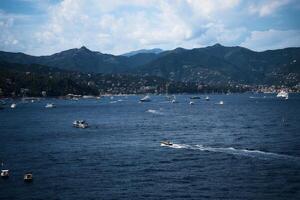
(215, 64)
(132, 53)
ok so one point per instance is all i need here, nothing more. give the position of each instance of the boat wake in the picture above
(234, 151)
(155, 112)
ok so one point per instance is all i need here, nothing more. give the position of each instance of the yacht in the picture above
(28, 177)
(283, 94)
(80, 124)
(166, 143)
(4, 173)
(13, 105)
(50, 105)
(145, 99)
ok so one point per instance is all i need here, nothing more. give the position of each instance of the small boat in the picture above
(28, 177)
(195, 97)
(221, 103)
(4, 173)
(50, 105)
(80, 124)
(207, 98)
(283, 94)
(166, 143)
(145, 99)
(192, 103)
(13, 105)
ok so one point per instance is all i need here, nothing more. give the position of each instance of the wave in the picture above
(155, 112)
(235, 151)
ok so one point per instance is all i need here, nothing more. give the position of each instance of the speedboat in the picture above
(80, 124)
(145, 99)
(13, 105)
(4, 173)
(207, 98)
(28, 177)
(283, 94)
(166, 143)
(50, 105)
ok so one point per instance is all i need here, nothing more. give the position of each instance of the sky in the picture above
(43, 27)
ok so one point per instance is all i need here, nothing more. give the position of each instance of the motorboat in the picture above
(145, 99)
(28, 177)
(166, 143)
(207, 98)
(192, 103)
(195, 97)
(50, 105)
(13, 105)
(283, 94)
(80, 124)
(221, 103)
(4, 173)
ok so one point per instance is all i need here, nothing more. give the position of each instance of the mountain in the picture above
(220, 64)
(215, 64)
(143, 51)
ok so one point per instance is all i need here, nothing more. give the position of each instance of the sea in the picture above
(247, 148)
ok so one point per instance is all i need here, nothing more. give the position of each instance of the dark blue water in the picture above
(248, 148)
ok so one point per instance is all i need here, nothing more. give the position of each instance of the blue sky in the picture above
(42, 27)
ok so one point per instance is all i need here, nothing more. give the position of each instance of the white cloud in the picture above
(267, 7)
(272, 39)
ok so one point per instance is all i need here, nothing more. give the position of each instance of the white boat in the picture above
(145, 99)
(28, 177)
(4, 173)
(192, 103)
(221, 103)
(166, 143)
(50, 105)
(13, 105)
(174, 100)
(207, 98)
(80, 124)
(283, 94)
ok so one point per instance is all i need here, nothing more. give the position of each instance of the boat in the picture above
(4, 173)
(192, 103)
(207, 98)
(221, 103)
(28, 177)
(195, 97)
(13, 105)
(50, 105)
(80, 124)
(174, 99)
(283, 94)
(166, 143)
(145, 99)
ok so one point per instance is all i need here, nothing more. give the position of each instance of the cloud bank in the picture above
(118, 26)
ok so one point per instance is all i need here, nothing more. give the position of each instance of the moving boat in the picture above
(13, 105)
(207, 98)
(166, 143)
(50, 105)
(192, 103)
(4, 173)
(283, 94)
(80, 124)
(174, 99)
(145, 99)
(28, 177)
(221, 103)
